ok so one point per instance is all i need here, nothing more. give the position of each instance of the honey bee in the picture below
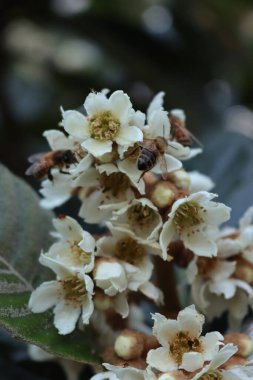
(43, 163)
(180, 133)
(152, 150)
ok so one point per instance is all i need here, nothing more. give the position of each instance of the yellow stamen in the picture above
(104, 126)
(127, 249)
(187, 216)
(182, 344)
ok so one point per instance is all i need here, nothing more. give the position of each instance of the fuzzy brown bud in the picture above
(129, 345)
(180, 179)
(242, 341)
(244, 271)
(163, 194)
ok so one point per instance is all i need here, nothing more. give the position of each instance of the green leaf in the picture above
(24, 232)
(24, 228)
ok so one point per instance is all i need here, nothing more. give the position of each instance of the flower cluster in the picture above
(225, 281)
(127, 170)
(181, 352)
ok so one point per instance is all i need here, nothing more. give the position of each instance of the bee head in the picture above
(69, 157)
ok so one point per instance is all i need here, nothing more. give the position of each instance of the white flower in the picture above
(139, 216)
(56, 192)
(75, 248)
(182, 345)
(104, 191)
(71, 294)
(120, 373)
(107, 121)
(212, 369)
(110, 276)
(195, 219)
(131, 254)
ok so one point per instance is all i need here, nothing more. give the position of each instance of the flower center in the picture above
(114, 182)
(140, 215)
(212, 375)
(206, 265)
(182, 344)
(188, 216)
(74, 289)
(104, 126)
(127, 249)
(79, 256)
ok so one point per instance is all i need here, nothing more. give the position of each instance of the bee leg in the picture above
(49, 174)
(142, 174)
(63, 172)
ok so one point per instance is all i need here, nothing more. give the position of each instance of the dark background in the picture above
(199, 52)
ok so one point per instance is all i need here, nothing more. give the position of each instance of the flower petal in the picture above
(211, 343)
(127, 136)
(121, 305)
(199, 243)
(66, 315)
(192, 361)
(164, 329)
(44, 297)
(191, 321)
(87, 309)
(57, 140)
(69, 229)
(171, 164)
(76, 124)
(161, 360)
(167, 234)
(97, 148)
(95, 103)
(119, 103)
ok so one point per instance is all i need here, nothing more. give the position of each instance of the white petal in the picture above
(164, 329)
(167, 234)
(105, 376)
(89, 178)
(119, 104)
(57, 140)
(199, 243)
(156, 103)
(161, 360)
(171, 164)
(75, 124)
(83, 165)
(56, 266)
(191, 321)
(87, 309)
(226, 287)
(217, 213)
(95, 103)
(97, 148)
(192, 270)
(65, 317)
(126, 373)
(192, 361)
(127, 136)
(211, 343)
(159, 125)
(121, 305)
(152, 292)
(129, 167)
(44, 297)
(68, 228)
(179, 113)
(225, 353)
(88, 242)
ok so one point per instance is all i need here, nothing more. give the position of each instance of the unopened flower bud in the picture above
(129, 345)
(180, 179)
(244, 271)
(163, 194)
(242, 341)
(102, 301)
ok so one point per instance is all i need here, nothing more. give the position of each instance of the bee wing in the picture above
(36, 157)
(31, 169)
(163, 165)
(194, 138)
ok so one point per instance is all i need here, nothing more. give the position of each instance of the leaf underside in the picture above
(24, 232)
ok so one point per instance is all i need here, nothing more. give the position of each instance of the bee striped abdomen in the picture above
(146, 160)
